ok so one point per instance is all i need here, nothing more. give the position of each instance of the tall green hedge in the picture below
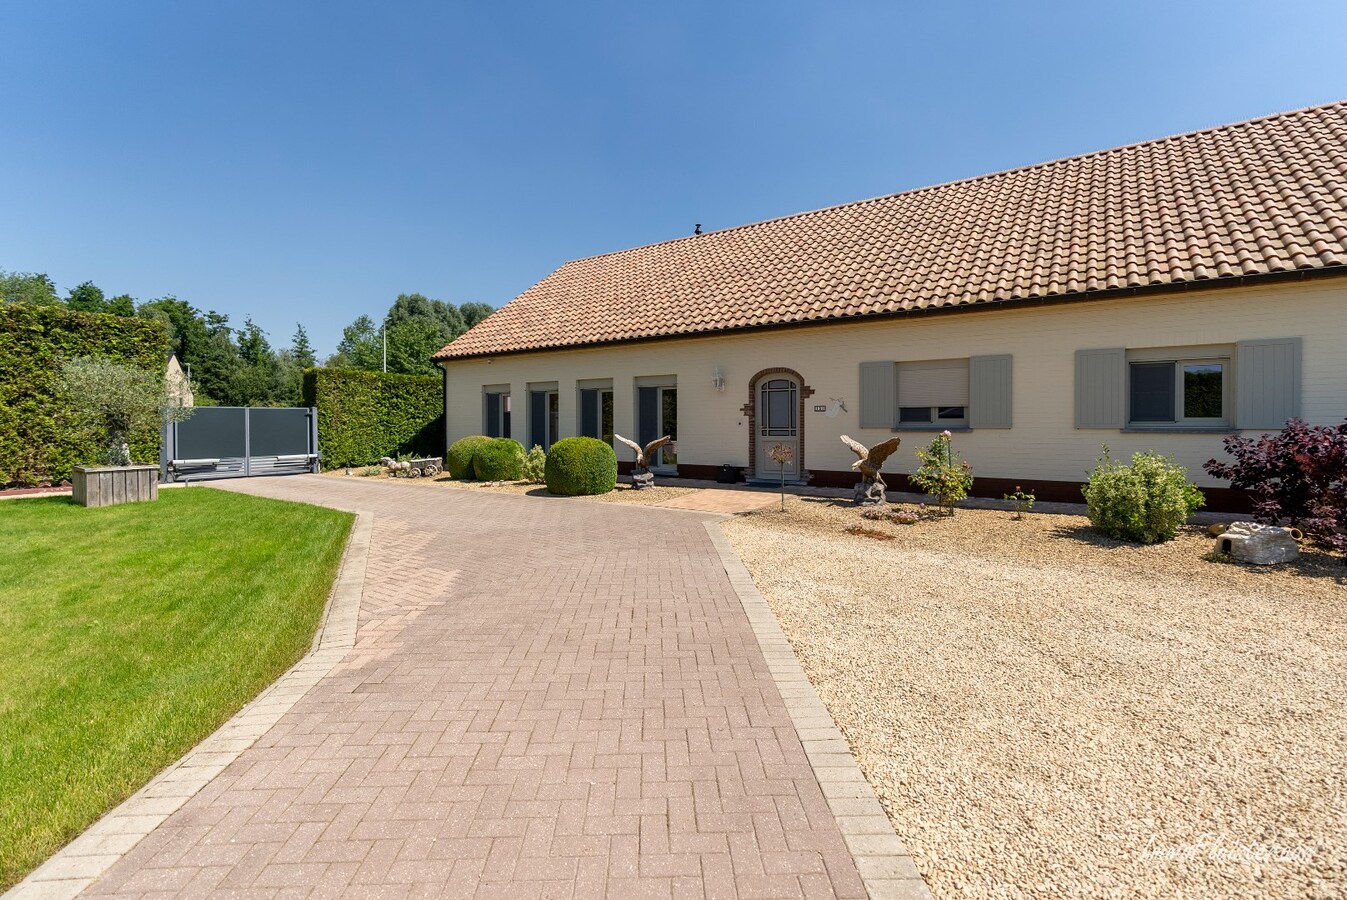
(38, 441)
(363, 416)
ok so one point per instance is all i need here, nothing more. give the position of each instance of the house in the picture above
(1156, 296)
(178, 384)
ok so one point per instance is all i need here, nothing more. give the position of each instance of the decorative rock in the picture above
(1261, 545)
(1217, 530)
(642, 480)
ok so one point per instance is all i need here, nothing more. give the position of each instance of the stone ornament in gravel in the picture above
(871, 490)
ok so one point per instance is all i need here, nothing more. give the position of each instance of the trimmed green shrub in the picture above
(365, 416)
(1145, 502)
(40, 436)
(458, 459)
(535, 466)
(580, 465)
(499, 459)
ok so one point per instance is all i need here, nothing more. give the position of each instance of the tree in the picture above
(187, 332)
(254, 348)
(417, 326)
(410, 345)
(87, 297)
(473, 313)
(409, 307)
(217, 365)
(117, 404)
(300, 348)
(360, 347)
(256, 383)
(288, 379)
(122, 305)
(33, 288)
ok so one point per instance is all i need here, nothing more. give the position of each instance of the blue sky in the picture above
(309, 161)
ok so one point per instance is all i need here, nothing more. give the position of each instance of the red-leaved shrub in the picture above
(1297, 476)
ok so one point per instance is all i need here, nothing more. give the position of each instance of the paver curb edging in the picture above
(885, 866)
(81, 862)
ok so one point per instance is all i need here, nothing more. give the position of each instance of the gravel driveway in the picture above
(1048, 713)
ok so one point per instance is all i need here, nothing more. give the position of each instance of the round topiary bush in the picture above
(499, 459)
(580, 465)
(458, 459)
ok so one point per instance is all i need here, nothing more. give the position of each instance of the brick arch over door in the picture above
(751, 411)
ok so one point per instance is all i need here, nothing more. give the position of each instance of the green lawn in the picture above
(129, 633)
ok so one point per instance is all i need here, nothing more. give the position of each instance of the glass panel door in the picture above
(667, 456)
(778, 425)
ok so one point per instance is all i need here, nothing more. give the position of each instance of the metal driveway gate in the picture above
(239, 441)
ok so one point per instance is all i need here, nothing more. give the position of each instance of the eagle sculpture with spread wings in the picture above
(871, 487)
(641, 475)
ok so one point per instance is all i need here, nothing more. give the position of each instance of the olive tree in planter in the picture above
(115, 404)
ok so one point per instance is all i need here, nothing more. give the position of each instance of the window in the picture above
(496, 411)
(1252, 384)
(544, 415)
(779, 399)
(1193, 392)
(953, 393)
(596, 413)
(656, 416)
(933, 394)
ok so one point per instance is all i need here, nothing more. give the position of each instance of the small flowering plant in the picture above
(942, 473)
(1022, 501)
(782, 454)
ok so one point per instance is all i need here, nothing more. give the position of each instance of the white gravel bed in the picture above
(1047, 713)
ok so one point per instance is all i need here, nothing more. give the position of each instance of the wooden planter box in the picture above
(110, 485)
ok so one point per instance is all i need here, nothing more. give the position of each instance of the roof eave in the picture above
(1232, 281)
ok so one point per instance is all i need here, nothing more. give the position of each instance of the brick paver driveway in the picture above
(547, 698)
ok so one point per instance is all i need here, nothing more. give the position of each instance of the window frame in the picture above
(935, 422)
(502, 423)
(1178, 361)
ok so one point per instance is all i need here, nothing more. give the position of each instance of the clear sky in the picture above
(309, 161)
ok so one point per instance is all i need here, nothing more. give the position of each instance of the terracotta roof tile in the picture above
(1258, 197)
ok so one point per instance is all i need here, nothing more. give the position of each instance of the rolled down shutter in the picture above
(1268, 374)
(989, 394)
(1101, 388)
(933, 383)
(879, 394)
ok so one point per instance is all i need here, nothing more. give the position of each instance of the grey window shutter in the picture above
(1101, 388)
(1268, 375)
(879, 394)
(989, 393)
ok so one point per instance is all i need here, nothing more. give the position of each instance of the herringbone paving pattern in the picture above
(547, 698)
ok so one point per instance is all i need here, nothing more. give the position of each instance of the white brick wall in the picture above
(1043, 339)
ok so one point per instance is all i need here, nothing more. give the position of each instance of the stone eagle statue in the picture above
(641, 476)
(871, 487)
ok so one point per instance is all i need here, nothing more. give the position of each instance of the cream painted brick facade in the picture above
(1044, 442)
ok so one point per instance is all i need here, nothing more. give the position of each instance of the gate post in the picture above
(313, 439)
(247, 442)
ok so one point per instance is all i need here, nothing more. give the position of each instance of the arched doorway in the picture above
(775, 413)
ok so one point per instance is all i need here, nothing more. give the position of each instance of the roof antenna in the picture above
(697, 229)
